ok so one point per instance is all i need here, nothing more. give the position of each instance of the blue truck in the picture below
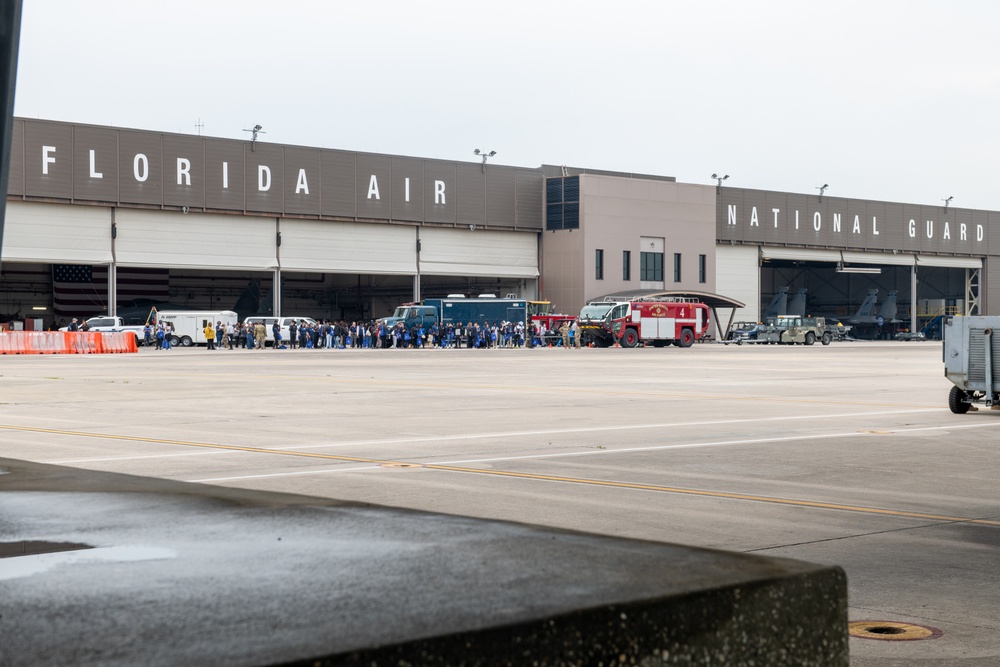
(460, 310)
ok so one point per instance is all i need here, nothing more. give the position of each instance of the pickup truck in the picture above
(108, 323)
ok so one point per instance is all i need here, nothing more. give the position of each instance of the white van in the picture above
(283, 322)
(189, 325)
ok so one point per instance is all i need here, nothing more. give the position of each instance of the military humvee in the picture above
(789, 329)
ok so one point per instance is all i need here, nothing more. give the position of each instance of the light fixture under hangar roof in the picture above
(857, 269)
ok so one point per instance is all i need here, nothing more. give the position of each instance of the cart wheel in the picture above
(956, 401)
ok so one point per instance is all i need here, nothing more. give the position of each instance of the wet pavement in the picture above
(169, 573)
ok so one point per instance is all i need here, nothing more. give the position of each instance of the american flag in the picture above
(82, 290)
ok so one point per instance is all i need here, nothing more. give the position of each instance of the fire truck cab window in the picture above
(617, 312)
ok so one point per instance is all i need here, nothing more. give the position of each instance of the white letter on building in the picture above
(732, 214)
(817, 221)
(962, 232)
(947, 231)
(857, 225)
(140, 176)
(406, 187)
(225, 175)
(373, 188)
(93, 165)
(930, 229)
(183, 171)
(439, 192)
(836, 222)
(302, 183)
(263, 178)
(980, 233)
(913, 228)
(47, 159)
(874, 226)
(775, 211)
(796, 218)
(754, 222)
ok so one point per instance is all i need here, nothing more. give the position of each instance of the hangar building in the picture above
(101, 215)
(99, 218)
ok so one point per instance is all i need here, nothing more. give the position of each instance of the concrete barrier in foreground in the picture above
(109, 569)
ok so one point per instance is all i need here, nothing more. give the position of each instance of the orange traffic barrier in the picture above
(65, 342)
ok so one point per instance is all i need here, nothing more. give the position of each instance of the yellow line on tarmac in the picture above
(520, 475)
(719, 494)
(186, 443)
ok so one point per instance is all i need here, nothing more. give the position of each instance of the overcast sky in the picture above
(894, 100)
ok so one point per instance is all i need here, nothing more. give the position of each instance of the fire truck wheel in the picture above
(630, 338)
(686, 338)
(956, 402)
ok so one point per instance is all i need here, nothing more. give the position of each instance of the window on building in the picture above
(627, 265)
(702, 267)
(677, 267)
(599, 263)
(651, 266)
(562, 203)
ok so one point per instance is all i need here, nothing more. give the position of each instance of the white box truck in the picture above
(189, 325)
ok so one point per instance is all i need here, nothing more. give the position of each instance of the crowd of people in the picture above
(371, 335)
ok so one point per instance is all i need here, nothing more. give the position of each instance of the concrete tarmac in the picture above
(844, 455)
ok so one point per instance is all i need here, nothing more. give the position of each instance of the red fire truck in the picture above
(680, 321)
(540, 315)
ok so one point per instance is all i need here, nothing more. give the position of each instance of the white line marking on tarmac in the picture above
(516, 434)
(618, 427)
(591, 452)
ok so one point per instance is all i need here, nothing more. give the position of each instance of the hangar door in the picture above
(463, 252)
(737, 276)
(194, 240)
(57, 233)
(347, 247)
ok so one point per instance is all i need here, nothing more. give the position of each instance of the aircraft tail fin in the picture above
(889, 308)
(867, 309)
(798, 304)
(778, 305)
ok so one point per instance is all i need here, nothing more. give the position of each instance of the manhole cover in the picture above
(891, 631)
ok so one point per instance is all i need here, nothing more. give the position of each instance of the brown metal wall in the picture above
(412, 169)
(472, 185)
(338, 181)
(808, 220)
(529, 195)
(302, 198)
(58, 182)
(180, 189)
(140, 153)
(104, 143)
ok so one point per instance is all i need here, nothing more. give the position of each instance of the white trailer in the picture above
(189, 325)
